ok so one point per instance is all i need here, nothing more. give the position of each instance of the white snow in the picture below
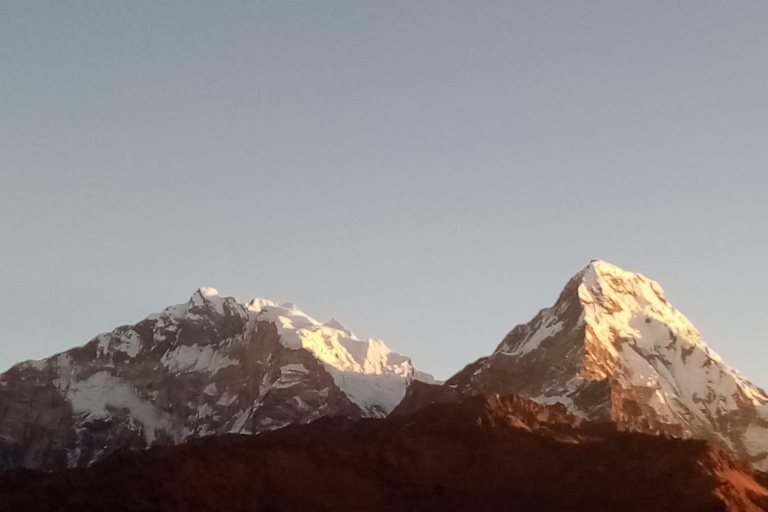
(334, 344)
(238, 422)
(647, 349)
(626, 308)
(293, 368)
(368, 372)
(226, 399)
(207, 296)
(257, 305)
(290, 375)
(193, 358)
(207, 291)
(549, 327)
(96, 396)
(128, 342)
(649, 344)
(176, 312)
(755, 439)
(204, 410)
(39, 365)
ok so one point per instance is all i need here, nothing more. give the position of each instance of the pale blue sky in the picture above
(431, 173)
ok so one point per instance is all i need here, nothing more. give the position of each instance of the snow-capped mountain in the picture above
(613, 348)
(209, 366)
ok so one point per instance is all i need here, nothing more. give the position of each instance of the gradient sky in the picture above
(431, 173)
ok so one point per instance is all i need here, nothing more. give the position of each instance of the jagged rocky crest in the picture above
(485, 453)
(206, 367)
(613, 348)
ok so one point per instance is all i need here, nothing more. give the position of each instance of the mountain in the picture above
(613, 348)
(209, 366)
(483, 454)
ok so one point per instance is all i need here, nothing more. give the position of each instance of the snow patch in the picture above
(101, 393)
(368, 372)
(257, 305)
(755, 440)
(207, 296)
(290, 375)
(226, 399)
(550, 326)
(207, 291)
(193, 358)
(38, 365)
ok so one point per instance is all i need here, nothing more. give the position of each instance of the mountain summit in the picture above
(613, 348)
(205, 367)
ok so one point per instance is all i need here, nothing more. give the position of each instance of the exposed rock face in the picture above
(210, 366)
(484, 454)
(613, 348)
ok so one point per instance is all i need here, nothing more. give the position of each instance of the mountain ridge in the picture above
(208, 366)
(613, 348)
(483, 453)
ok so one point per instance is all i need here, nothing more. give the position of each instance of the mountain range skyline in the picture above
(395, 166)
(442, 374)
(436, 255)
(612, 349)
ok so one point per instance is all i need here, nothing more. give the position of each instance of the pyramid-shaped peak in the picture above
(603, 278)
(207, 296)
(204, 294)
(601, 268)
(613, 348)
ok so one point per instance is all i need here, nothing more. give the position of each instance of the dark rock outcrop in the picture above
(482, 454)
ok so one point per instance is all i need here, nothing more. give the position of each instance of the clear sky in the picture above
(431, 173)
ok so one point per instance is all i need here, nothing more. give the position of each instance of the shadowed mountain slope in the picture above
(483, 454)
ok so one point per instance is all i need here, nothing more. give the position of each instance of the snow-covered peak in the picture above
(257, 305)
(288, 318)
(204, 298)
(207, 296)
(635, 337)
(369, 373)
(609, 277)
(332, 343)
(614, 347)
(621, 306)
(207, 291)
(628, 315)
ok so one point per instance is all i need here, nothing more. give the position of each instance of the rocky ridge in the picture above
(612, 348)
(483, 453)
(209, 366)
